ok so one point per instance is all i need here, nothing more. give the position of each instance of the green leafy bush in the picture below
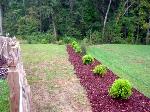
(100, 70)
(87, 59)
(74, 43)
(42, 38)
(76, 47)
(68, 39)
(121, 88)
(96, 38)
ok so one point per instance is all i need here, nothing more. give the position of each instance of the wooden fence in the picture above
(20, 95)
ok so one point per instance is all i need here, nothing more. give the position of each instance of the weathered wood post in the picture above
(20, 95)
(13, 80)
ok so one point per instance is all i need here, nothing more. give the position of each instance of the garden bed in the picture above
(97, 89)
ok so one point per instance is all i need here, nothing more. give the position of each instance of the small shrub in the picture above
(100, 70)
(121, 88)
(37, 38)
(74, 43)
(87, 59)
(68, 39)
(76, 47)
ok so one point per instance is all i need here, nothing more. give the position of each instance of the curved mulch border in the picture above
(97, 89)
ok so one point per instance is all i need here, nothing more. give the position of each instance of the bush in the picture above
(95, 37)
(87, 59)
(42, 38)
(100, 70)
(74, 43)
(121, 88)
(68, 40)
(76, 47)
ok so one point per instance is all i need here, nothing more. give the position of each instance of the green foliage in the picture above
(127, 61)
(36, 38)
(121, 88)
(68, 39)
(100, 70)
(96, 37)
(87, 59)
(79, 19)
(84, 44)
(77, 48)
(27, 26)
(74, 43)
(4, 96)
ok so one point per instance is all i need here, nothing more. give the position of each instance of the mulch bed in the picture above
(97, 89)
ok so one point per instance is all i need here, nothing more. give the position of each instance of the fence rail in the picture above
(20, 95)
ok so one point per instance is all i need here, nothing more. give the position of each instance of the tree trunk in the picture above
(24, 6)
(148, 34)
(1, 26)
(105, 20)
(54, 25)
(71, 3)
(138, 29)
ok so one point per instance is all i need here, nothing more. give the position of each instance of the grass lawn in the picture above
(131, 62)
(53, 84)
(4, 96)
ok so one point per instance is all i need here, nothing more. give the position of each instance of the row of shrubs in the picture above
(45, 38)
(76, 46)
(121, 88)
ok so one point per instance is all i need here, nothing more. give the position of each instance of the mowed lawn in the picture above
(4, 96)
(131, 62)
(54, 86)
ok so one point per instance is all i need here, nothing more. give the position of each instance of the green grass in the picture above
(44, 65)
(38, 58)
(131, 62)
(4, 96)
(49, 74)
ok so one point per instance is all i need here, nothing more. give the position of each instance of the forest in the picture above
(96, 21)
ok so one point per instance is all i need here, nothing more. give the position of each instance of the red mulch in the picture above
(97, 89)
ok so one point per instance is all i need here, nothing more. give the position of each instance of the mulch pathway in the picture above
(97, 89)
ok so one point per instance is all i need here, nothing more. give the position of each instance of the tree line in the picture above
(100, 21)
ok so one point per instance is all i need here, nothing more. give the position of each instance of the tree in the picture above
(105, 20)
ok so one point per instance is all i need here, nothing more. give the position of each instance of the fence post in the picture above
(13, 81)
(20, 94)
